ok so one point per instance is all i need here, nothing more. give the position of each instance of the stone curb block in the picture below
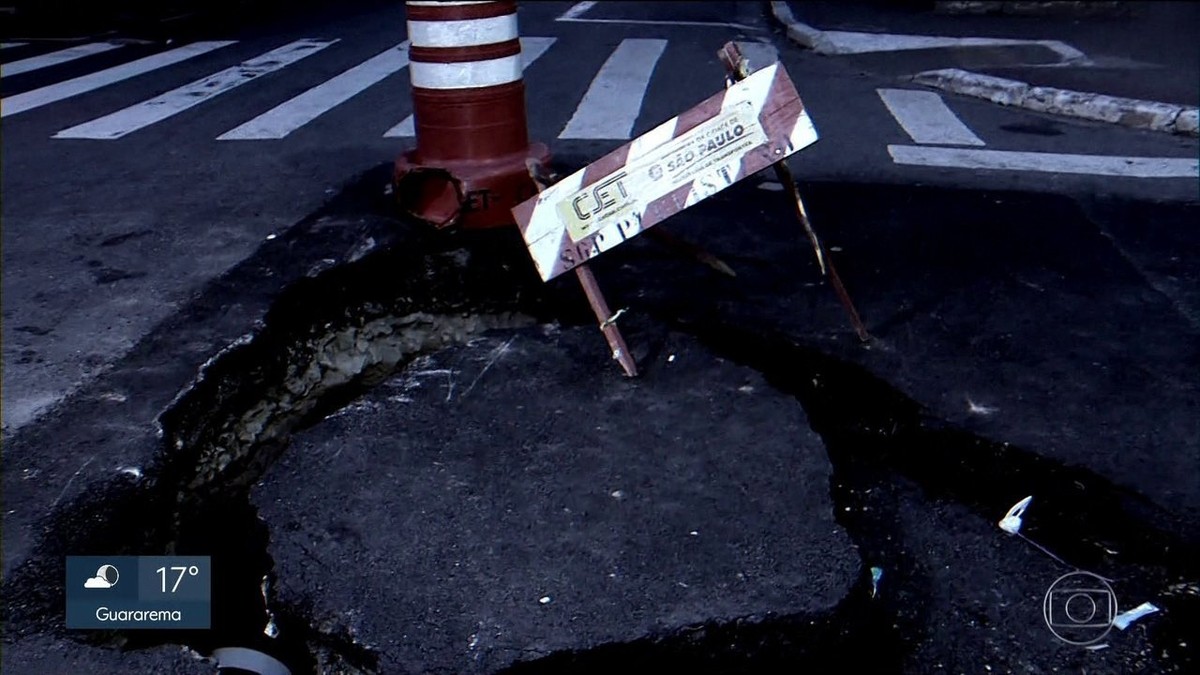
(1151, 115)
(800, 33)
(1186, 123)
(817, 40)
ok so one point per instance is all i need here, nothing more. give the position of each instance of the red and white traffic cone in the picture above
(469, 166)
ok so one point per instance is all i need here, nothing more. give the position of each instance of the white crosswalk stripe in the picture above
(927, 118)
(930, 122)
(608, 110)
(611, 105)
(173, 102)
(531, 49)
(54, 58)
(290, 115)
(11, 105)
(1048, 162)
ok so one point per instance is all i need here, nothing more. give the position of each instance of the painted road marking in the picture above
(290, 115)
(159, 108)
(55, 58)
(9, 45)
(846, 42)
(1005, 160)
(650, 22)
(927, 118)
(611, 105)
(531, 49)
(56, 92)
(576, 12)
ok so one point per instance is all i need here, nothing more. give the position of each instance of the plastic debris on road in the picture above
(1011, 522)
(133, 471)
(1123, 619)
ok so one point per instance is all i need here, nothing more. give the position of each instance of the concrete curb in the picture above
(1152, 115)
(842, 43)
(1137, 114)
(800, 33)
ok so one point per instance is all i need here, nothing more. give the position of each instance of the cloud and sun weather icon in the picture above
(106, 577)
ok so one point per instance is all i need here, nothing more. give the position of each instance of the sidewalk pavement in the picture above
(1139, 69)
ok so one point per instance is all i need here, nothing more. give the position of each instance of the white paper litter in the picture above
(1011, 522)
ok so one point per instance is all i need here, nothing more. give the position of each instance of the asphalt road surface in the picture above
(111, 155)
(1029, 282)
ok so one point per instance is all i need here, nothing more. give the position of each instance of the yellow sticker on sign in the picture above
(713, 147)
(588, 210)
(710, 145)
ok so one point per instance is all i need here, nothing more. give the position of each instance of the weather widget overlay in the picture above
(130, 592)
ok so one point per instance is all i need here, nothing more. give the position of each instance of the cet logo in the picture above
(1079, 608)
(656, 172)
(600, 197)
(106, 577)
(590, 209)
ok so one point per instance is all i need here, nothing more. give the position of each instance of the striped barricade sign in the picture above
(751, 125)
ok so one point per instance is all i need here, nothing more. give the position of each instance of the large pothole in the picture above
(517, 498)
(918, 496)
(326, 339)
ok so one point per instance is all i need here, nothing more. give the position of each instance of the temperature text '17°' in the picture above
(182, 570)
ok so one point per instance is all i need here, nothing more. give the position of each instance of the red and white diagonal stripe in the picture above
(735, 133)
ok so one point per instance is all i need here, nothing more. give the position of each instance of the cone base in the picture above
(472, 194)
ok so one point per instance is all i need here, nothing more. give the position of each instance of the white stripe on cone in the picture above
(531, 49)
(466, 75)
(466, 33)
